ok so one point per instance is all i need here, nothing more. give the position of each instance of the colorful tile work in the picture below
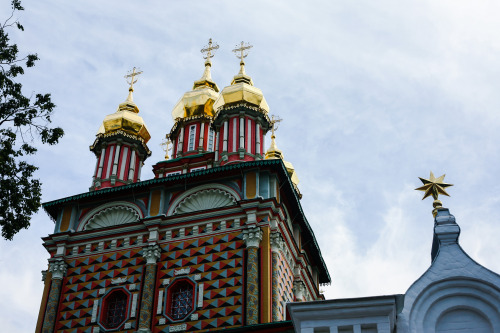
(85, 279)
(147, 297)
(285, 284)
(252, 305)
(50, 313)
(217, 261)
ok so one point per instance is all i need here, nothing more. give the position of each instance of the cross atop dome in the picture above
(275, 120)
(131, 75)
(207, 50)
(243, 51)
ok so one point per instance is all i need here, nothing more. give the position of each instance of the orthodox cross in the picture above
(275, 120)
(434, 187)
(208, 50)
(165, 143)
(243, 50)
(131, 75)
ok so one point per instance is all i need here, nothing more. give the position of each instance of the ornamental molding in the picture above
(276, 241)
(182, 271)
(299, 289)
(111, 214)
(252, 237)
(58, 269)
(151, 253)
(119, 280)
(202, 198)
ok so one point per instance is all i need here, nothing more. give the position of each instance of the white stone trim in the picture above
(134, 305)
(95, 307)
(160, 302)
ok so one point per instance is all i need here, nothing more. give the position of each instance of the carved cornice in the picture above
(58, 269)
(252, 237)
(151, 253)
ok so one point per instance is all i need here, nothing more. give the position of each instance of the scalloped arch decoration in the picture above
(205, 199)
(112, 216)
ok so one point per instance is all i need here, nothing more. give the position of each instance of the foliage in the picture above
(22, 120)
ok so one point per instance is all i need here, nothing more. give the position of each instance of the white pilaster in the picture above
(115, 160)
(132, 167)
(224, 145)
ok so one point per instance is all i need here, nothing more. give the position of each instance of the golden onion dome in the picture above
(126, 119)
(200, 100)
(242, 90)
(274, 153)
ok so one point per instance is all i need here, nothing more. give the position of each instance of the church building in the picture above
(215, 239)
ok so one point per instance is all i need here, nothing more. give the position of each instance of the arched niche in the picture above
(463, 321)
(438, 307)
(111, 214)
(203, 198)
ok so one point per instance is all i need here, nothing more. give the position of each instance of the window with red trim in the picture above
(114, 309)
(180, 299)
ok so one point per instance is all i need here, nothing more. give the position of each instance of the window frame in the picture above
(169, 294)
(104, 308)
(191, 135)
(211, 140)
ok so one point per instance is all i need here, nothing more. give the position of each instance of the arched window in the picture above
(114, 309)
(180, 299)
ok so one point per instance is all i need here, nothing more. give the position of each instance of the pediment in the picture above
(204, 200)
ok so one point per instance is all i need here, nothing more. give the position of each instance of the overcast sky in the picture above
(373, 94)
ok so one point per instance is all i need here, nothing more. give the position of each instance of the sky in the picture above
(373, 95)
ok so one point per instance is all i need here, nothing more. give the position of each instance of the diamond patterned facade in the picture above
(191, 249)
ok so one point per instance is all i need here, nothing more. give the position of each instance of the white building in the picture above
(455, 294)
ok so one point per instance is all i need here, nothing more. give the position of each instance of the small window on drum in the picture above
(114, 309)
(180, 299)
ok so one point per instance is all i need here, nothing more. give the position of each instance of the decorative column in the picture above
(258, 155)
(180, 142)
(201, 145)
(224, 143)
(151, 253)
(58, 269)
(276, 246)
(241, 148)
(252, 237)
(131, 169)
(115, 163)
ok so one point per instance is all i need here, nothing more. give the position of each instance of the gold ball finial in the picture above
(434, 187)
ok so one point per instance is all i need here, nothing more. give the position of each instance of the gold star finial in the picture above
(131, 75)
(207, 50)
(242, 49)
(165, 143)
(434, 186)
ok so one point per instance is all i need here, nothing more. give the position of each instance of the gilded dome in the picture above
(275, 153)
(126, 118)
(242, 90)
(200, 100)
